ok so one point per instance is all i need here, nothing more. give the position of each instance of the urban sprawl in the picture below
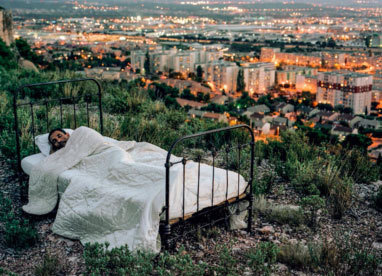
(289, 61)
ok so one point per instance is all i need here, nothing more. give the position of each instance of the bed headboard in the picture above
(59, 103)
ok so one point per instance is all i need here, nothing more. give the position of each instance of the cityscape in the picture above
(273, 65)
(279, 49)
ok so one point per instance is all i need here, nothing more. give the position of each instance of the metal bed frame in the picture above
(166, 224)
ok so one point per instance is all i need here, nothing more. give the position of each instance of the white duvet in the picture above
(119, 190)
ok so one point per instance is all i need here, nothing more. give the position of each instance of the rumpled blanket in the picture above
(119, 192)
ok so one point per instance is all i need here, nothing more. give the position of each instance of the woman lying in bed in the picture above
(117, 191)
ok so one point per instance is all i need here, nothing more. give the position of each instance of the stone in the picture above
(73, 259)
(199, 254)
(281, 267)
(236, 250)
(377, 245)
(266, 230)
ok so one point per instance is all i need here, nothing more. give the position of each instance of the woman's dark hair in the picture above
(53, 130)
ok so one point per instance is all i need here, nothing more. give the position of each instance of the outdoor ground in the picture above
(361, 222)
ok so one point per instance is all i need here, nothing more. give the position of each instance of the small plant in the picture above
(313, 203)
(17, 232)
(347, 256)
(6, 272)
(262, 258)
(341, 196)
(285, 214)
(227, 263)
(266, 177)
(117, 261)
(296, 255)
(50, 266)
(178, 264)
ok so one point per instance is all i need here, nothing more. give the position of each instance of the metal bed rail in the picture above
(165, 228)
(45, 102)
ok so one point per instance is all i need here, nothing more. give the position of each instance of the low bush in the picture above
(347, 256)
(313, 204)
(262, 258)
(117, 261)
(285, 214)
(17, 232)
(50, 266)
(297, 255)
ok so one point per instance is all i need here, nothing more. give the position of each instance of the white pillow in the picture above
(43, 144)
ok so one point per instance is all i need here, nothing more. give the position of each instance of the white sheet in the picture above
(117, 195)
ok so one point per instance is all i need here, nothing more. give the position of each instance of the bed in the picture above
(196, 194)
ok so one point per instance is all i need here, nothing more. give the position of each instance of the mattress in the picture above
(64, 180)
(29, 162)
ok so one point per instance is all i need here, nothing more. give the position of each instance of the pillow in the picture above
(43, 144)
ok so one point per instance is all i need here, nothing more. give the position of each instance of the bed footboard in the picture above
(166, 224)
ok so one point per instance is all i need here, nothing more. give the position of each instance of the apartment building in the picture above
(258, 77)
(221, 74)
(349, 89)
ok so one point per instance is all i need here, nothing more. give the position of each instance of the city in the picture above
(284, 68)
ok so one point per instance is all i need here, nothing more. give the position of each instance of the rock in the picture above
(236, 250)
(377, 245)
(73, 259)
(293, 241)
(266, 230)
(281, 267)
(199, 254)
(28, 65)
(201, 247)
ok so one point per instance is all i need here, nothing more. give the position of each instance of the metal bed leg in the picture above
(165, 232)
(250, 212)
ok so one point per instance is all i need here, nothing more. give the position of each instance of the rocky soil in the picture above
(361, 221)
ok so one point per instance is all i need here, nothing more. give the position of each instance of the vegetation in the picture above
(318, 168)
(16, 231)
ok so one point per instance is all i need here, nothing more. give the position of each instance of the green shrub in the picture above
(227, 264)
(117, 261)
(345, 255)
(178, 264)
(49, 267)
(341, 196)
(262, 258)
(6, 272)
(17, 232)
(295, 255)
(313, 203)
(285, 214)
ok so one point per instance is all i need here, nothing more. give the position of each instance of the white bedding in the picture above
(116, 196)
(63, 180)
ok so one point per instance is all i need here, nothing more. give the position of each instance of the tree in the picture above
(327, 107)
(7, 59)
(348, 110)
(147, 64)
(199, 73)
(186, 94)
(331, 43)
(240, 84)
(339, 108)
(359, 141)
(25, 50)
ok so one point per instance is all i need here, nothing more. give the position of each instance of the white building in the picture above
(221, 74)
(348, 89)
(269, 54)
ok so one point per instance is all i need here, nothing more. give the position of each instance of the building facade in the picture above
(348, 89)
